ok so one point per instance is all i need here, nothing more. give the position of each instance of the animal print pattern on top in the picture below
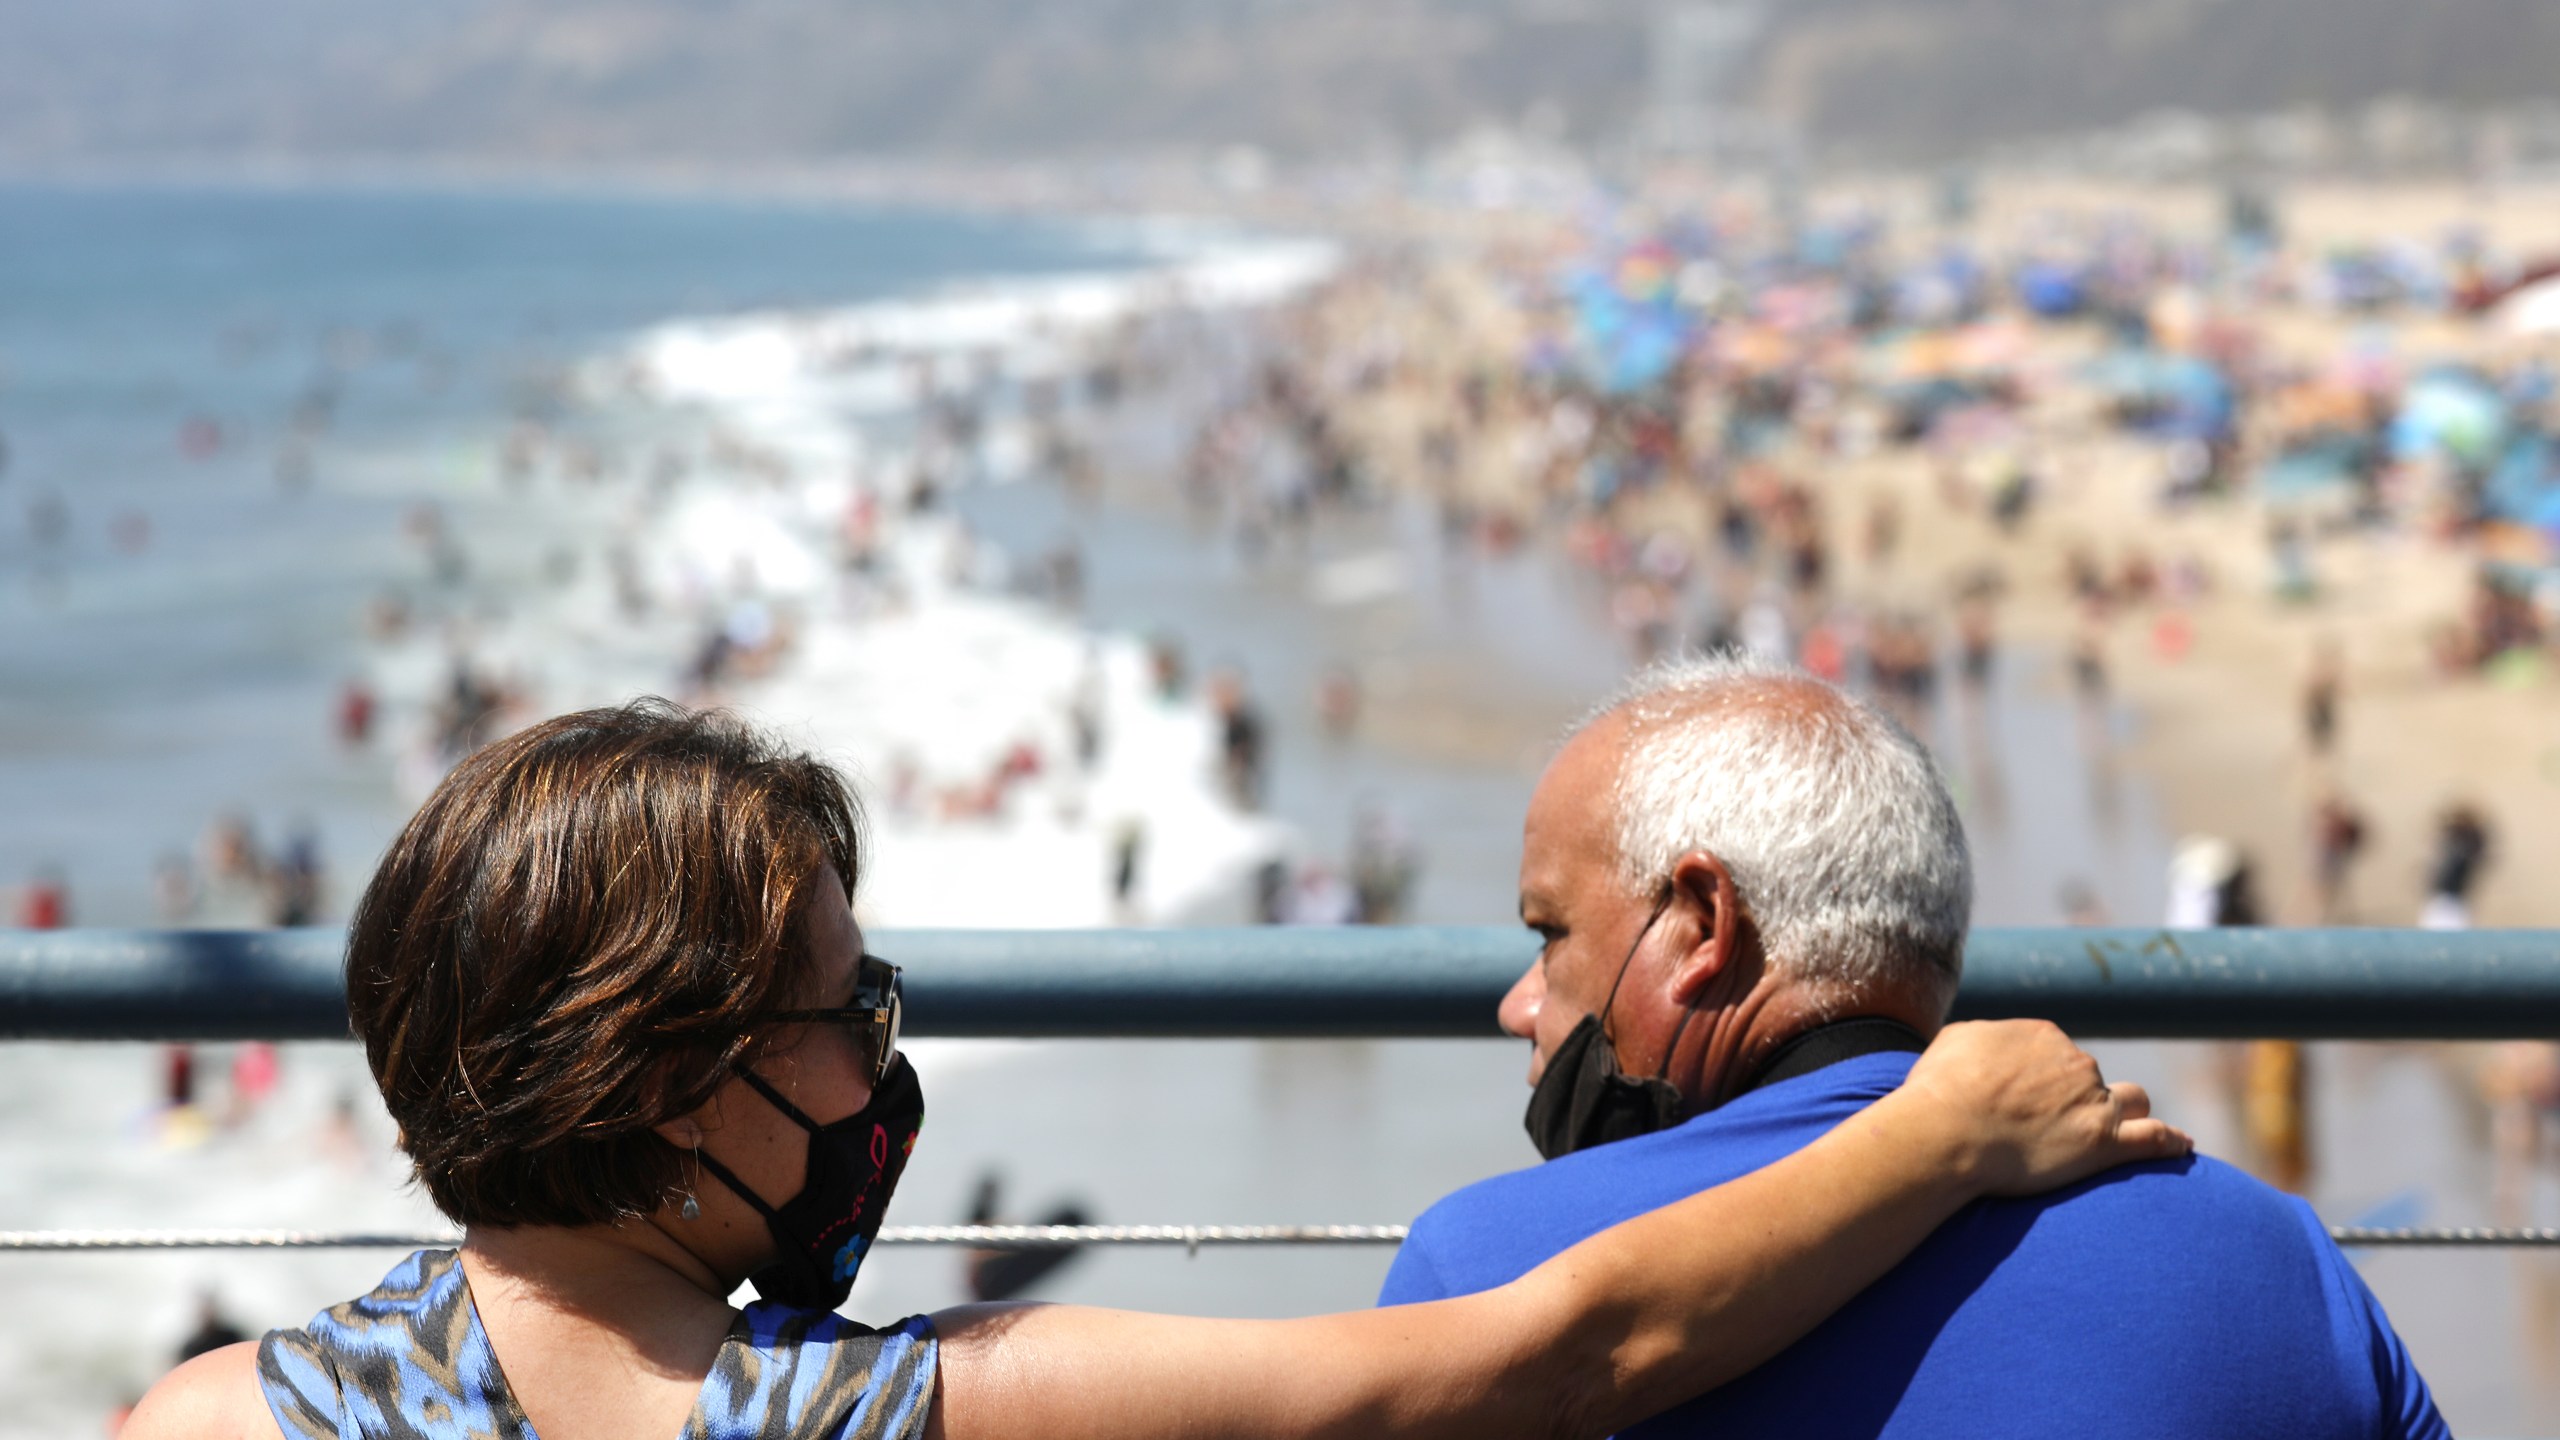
(409, 1361)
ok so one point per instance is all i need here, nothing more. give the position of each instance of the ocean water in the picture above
(237, 423)
(219, 404)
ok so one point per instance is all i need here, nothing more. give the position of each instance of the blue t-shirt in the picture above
(2178, 1298)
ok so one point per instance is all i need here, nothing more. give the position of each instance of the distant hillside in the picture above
(1950, 73)
(793, 79)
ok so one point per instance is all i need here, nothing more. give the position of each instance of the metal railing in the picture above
(974, 1237)
(1043, 1237)
(1374, 982)
(209, 985)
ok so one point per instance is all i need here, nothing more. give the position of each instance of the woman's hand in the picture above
(2031, 1110)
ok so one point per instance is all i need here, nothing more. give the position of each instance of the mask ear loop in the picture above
(736, 1186)
(1611, 1003)
(772, 1219)
(775, 1098)
(1688, 1012)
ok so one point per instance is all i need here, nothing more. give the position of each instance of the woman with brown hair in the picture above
(611, 986)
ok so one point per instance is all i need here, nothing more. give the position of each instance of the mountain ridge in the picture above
(789, 80)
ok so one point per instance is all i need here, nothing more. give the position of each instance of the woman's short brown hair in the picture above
(572, 942)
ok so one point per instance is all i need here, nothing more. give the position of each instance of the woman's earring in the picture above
(692, 1207)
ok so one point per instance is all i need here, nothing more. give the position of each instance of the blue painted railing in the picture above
(1419, 981)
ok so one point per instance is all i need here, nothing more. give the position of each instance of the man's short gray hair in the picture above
(1838, 830)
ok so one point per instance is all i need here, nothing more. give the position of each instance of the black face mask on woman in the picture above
(827, 1227)
(1582, 1099)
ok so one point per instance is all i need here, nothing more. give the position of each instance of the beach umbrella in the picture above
(2544, 515)
(2450, 413)
(1645, 352)
(1629, 328)
(2523, 481)
(2052, 291)
(2196, 400)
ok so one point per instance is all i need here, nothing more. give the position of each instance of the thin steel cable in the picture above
(978, 1237)
(1036, 1237)
(2354, 1236)
(38, 1240)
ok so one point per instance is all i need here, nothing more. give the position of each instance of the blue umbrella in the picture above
(2544, 514)
(2450, 413)
(2523, 475)
(2052, 291)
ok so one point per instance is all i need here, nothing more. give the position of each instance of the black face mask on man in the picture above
(1582, 1099)
(827, 1227)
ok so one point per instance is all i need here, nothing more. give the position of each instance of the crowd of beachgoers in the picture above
(2291, 494)
(2283, 482)
(754, 511)
(1882, 446)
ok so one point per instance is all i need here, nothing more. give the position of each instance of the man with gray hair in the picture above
(1752, 890)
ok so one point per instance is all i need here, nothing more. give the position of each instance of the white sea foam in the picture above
(920, 676)
(768, 361)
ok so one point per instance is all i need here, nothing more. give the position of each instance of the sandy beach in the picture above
(1337, 519)
(2222, 733)
(2216, 676)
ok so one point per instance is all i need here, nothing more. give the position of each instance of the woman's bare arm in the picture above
(215, 1396)
(1622, 1326)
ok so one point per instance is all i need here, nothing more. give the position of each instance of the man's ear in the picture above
(1703, 895)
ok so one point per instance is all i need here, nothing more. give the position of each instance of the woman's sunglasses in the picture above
(875, 1017)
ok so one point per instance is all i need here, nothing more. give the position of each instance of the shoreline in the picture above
(501, 478)
(788, 554)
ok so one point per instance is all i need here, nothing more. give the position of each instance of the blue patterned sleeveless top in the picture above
(410, 1362)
